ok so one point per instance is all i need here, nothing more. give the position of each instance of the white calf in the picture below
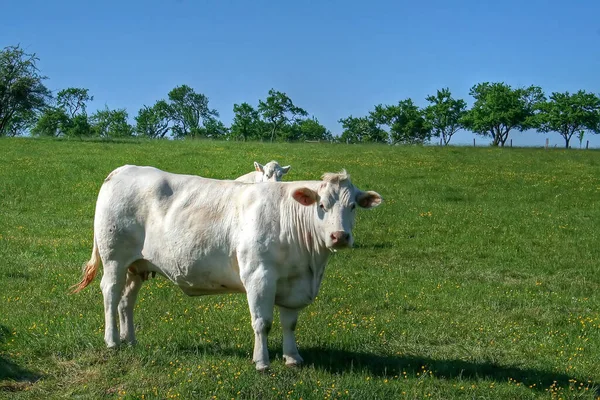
(270, 172)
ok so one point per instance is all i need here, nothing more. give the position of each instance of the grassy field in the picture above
(477, 278)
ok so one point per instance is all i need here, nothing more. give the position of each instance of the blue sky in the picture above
(333, 58)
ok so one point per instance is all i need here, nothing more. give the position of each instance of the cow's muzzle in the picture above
(340, 239)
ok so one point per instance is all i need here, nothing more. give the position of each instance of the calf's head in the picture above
(335, 202)
(271, 171)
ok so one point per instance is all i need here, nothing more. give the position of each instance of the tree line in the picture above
(27, 106)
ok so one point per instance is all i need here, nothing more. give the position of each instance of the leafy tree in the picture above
(78, 126)
(567, 114)
(246, 122)
(580, 137)
(68, 117)
(361, 130)
(73, 101)
(154, 122)
(188, 109)
(279, 110)
(214, 129)
(444, 114)
(498, 109)
(311, 129)
(405, 120)
(111, 123)
(22, 93)
(20, 123)
(305, 129)
(53, 122)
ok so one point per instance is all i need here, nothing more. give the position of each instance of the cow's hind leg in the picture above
(288, 319)
(126, 305)
(112, 284)
(260, 287)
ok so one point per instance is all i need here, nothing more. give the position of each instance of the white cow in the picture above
(270, 172)
(271, 241)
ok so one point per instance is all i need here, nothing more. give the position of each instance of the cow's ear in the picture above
(286, 169)
(258, 167)
(368, 199)
(305, 196)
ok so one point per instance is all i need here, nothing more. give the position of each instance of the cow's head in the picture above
(335, 202)
(271, 171)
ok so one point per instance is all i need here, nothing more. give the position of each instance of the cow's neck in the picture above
(298, 223)
(300, 230)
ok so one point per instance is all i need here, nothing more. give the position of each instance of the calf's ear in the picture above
(258, 167)
(368, 199)
(305, 196)
(286, 169)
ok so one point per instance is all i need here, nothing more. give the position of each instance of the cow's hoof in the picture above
(112, 345)
(294, 364)
(262, 367)
(293, 361)
(128, 342)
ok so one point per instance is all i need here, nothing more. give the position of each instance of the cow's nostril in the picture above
(340, 237)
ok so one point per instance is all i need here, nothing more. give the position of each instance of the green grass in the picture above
(477, 278)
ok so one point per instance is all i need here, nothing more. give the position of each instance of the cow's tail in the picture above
(89, 270)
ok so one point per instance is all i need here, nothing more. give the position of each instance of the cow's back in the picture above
(187, 227)
(250, 177)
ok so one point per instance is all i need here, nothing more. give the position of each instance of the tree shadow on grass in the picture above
(340, 361)
(13, 377)
(130, 141)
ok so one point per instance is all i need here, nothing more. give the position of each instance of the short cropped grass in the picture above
(477, 278)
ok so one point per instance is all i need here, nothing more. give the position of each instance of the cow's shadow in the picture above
(9, 370)
(337, 361)
(340, 361)
(373, 245)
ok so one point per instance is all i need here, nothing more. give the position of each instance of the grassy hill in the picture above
(477, 278)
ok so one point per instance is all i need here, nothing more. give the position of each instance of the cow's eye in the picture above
(353, 206)
(322, 206)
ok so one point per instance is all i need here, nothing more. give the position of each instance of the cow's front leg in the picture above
(288, 319)
(260, 287)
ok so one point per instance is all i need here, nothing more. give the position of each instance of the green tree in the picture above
(68, 117)
(580, 137)
(53, 122)
(246, 122)
(154, 122)
(311, 129)
(111, 123)
(22, 93)
(405, 121)
(73, 101)
(444, 114)
(362, 130)
(188, 110)
(214, 129)
(278, 110)
(498, 109)
(78, 126)
(567, 114)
